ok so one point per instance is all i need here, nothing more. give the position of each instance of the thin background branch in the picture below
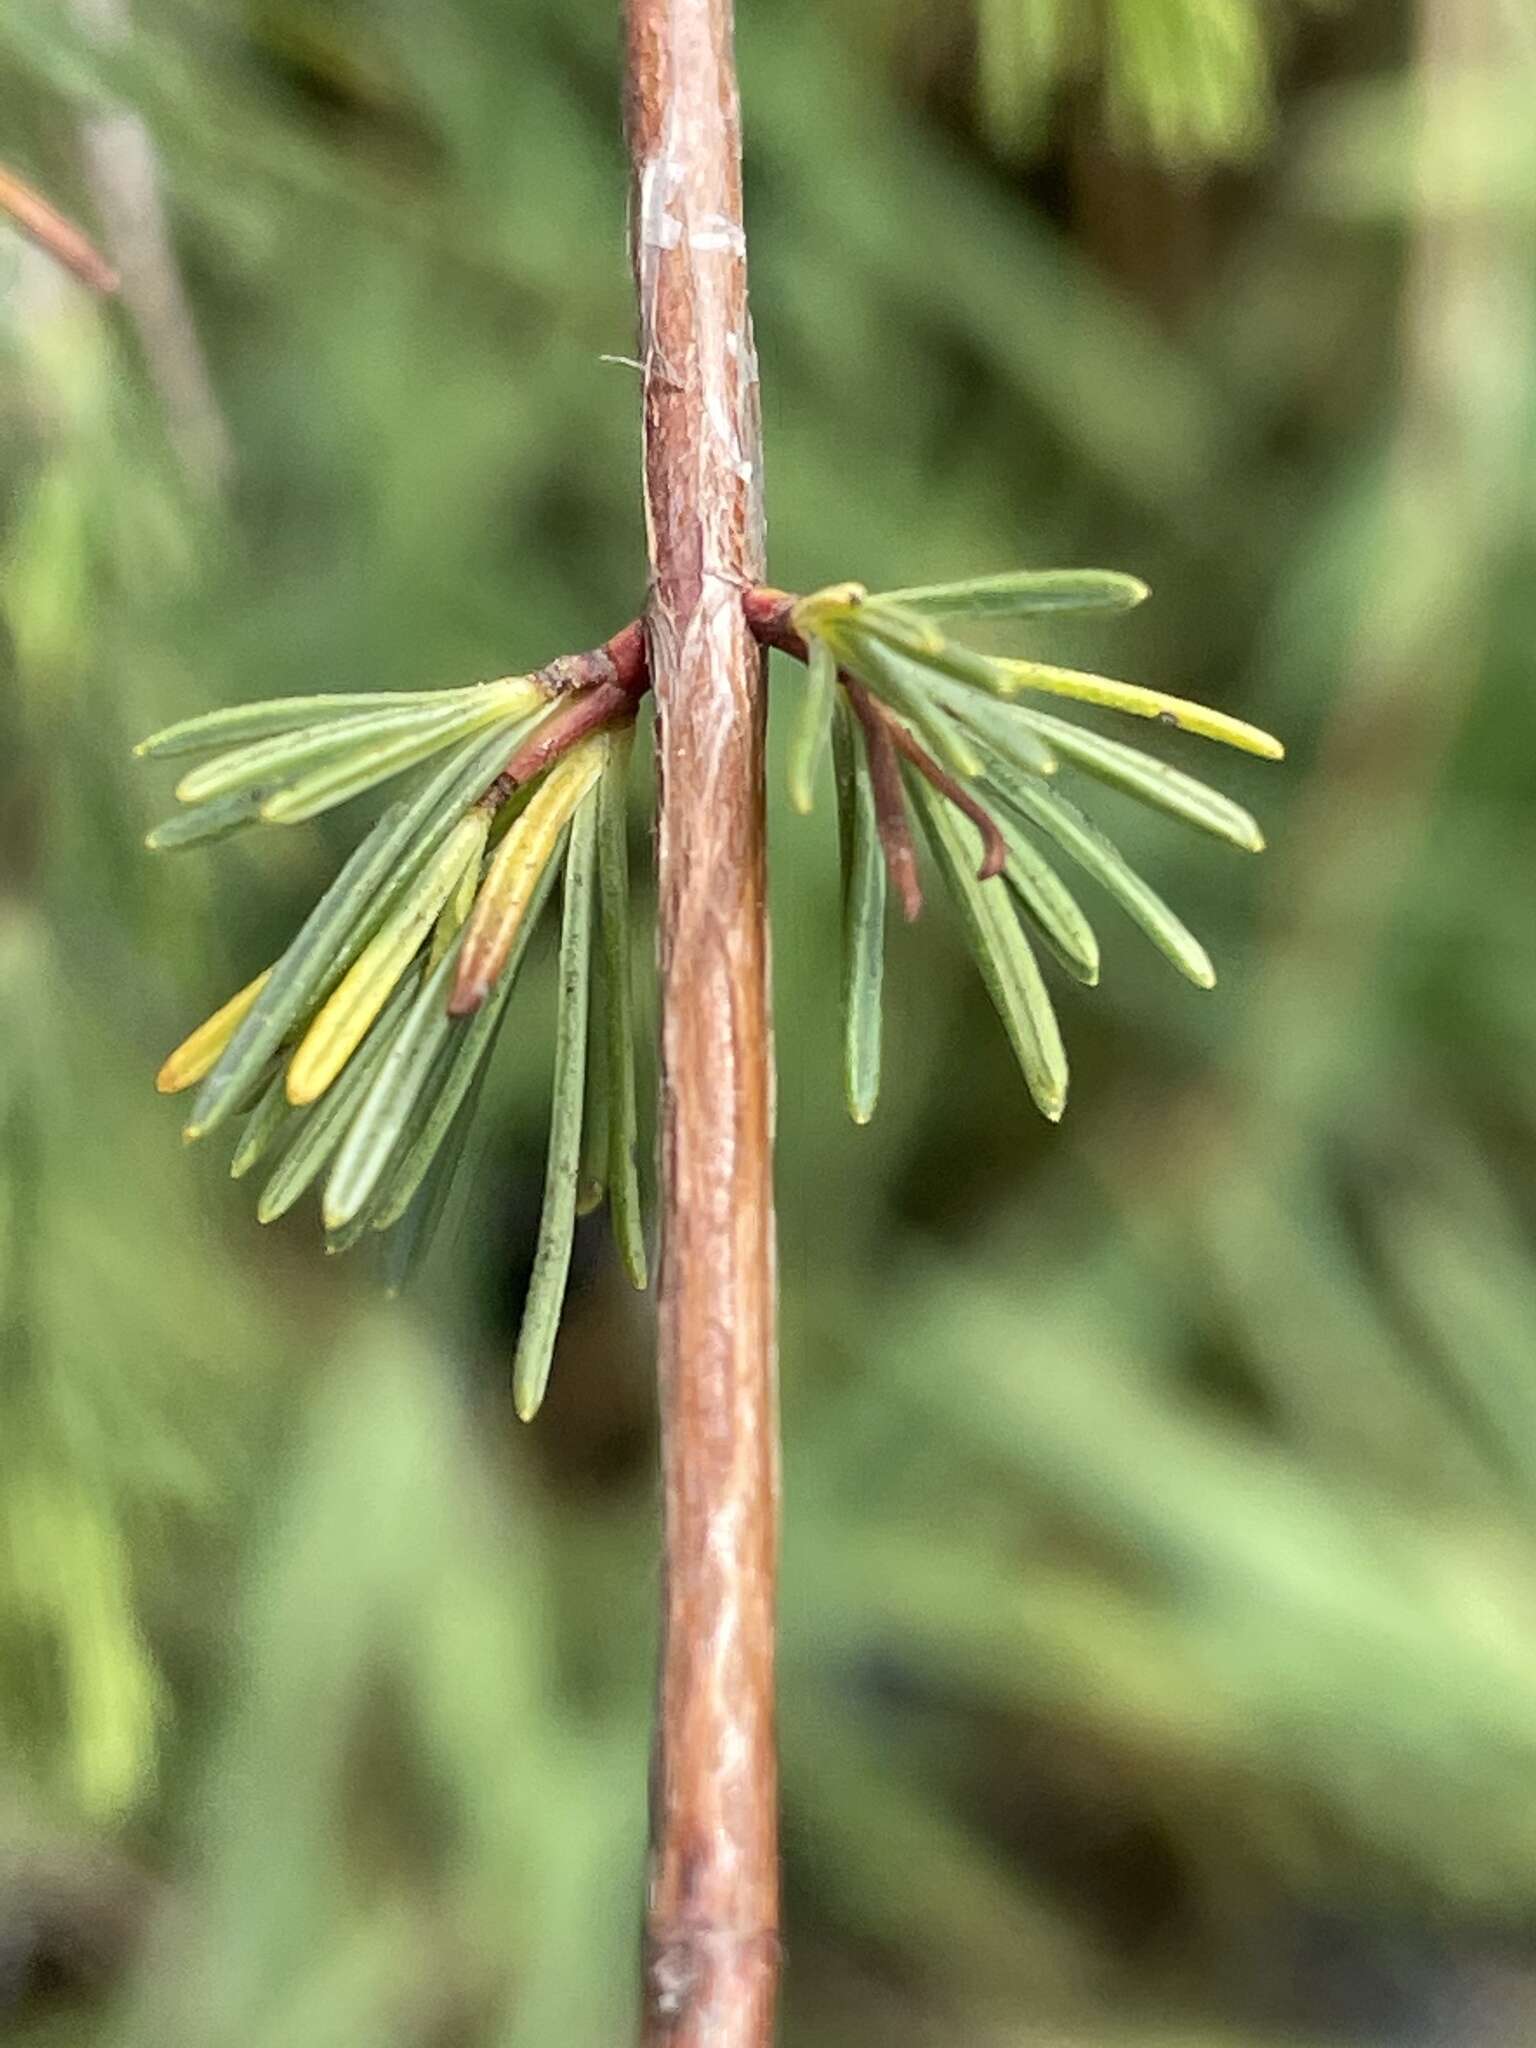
(49, 229)
(124, 182)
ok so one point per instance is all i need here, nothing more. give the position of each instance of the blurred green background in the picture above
(1159, 1600)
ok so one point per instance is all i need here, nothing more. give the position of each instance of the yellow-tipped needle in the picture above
(199, 1054)
(364, 989)
(513, 875)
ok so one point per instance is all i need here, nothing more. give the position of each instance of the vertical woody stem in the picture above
(712, 1914)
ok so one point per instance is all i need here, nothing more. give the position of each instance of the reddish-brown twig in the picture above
(891, 820)
(601, 687)
(769, 613)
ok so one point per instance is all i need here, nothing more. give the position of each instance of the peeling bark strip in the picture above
(712, 1911)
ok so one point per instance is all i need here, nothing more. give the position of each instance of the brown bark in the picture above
(712, 1910)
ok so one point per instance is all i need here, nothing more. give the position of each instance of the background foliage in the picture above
(1160, 1647)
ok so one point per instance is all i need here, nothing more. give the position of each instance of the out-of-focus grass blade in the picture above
(235, 724)
(863, 947)
(812, 723)
(364, 989)
(1020, 593)
(341, 779)
(1153, 781)
(552, 1256)
(205, 822)
(1007, 963)
(200, 1052)
(1051, 813)
(1050, 904)
(903, 684)
(263, 1126)
(346, 917)
(322, 1127)
(1138, 702)
(473, 1041)
(619, 1006)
